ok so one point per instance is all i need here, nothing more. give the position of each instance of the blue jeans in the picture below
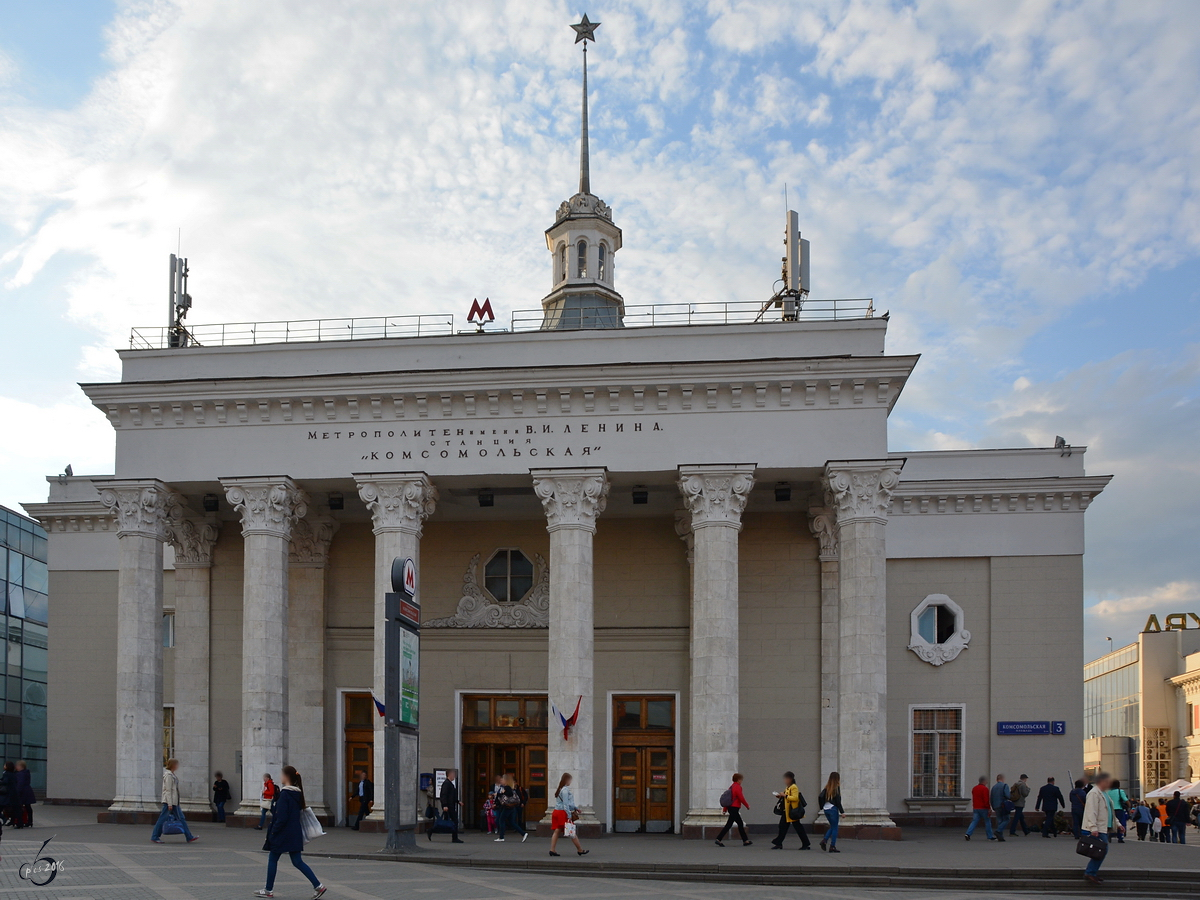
(262, 819)
(221, 811)
(1077, 820)
(1001, 822)
(1018, 818)
(1093, 865)
(984, 816)
(297, 861)
(162, 818)
(1123, 820)
(832, 815)
(508, 817)
(1179, 830)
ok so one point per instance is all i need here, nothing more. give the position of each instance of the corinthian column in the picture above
(144, 511)
(572, 498)
(715, 497)
(822, 520)
(193, 540)
(269, 507)
(308, 554)
(862, 492)
(399, 502)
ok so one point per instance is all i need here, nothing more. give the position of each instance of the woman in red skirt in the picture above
(562, 820)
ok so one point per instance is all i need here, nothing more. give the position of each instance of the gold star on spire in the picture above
(585, 31)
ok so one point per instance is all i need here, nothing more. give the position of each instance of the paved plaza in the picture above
(118, 862)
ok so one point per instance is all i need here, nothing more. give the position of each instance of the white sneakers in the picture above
(524, 837)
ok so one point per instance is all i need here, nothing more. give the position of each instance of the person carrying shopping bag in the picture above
(286, 834)
(790, 806)
(733, 801)
(562, 820)
(830, 801)
(170, 805)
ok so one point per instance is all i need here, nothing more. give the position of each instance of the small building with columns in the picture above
(693, 531)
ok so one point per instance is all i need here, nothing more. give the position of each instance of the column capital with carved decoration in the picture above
(144, 507)
(311, 537)
(398, 501)
(268, 505)
(717, 494)
(193, 539)
(862, 489)
(572, 498)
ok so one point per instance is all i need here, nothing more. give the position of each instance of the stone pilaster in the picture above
(862, 491)
(144, 511)
(715, 497)
(269, 507)
(399, 503)
(308, 555)
(193, 540)
(822, 521)
(572, 499)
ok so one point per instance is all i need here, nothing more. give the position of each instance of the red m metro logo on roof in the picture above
(481, 313)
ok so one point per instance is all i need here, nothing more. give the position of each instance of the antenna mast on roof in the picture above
(795, 275)
(179, 302)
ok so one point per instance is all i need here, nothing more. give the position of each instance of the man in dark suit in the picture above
(364, 793)
(1049, 799)
(450, 802)
(1178, 813)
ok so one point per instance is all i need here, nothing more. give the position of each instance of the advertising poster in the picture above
(410, 654)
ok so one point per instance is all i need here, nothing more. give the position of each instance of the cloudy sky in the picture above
(1017, 182)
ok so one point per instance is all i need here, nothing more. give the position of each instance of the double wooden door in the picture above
(644, 789)
(358, 732)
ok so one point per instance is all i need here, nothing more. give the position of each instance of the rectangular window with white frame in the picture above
(168, 733)
(168, 629)
(937, 751)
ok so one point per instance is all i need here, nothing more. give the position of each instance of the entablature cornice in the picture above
(823, 383)
(73, 516)
(997, 495)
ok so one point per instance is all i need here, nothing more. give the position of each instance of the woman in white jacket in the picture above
(170, 804)
(1099, 820)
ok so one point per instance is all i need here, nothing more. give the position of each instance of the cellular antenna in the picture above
(795, 274)
(179, 302)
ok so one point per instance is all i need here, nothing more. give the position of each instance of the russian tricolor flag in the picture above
(379, 706)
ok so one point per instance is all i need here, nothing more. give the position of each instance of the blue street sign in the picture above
(1022, 728)
(1058, 727)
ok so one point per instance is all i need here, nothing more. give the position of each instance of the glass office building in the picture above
(25, 589)
(1111, 694)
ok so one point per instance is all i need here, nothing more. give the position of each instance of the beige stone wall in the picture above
(780, 658)
(1023, 663)
(83, 686)
(225, 685)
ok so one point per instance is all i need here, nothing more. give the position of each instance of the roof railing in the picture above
(654, 315)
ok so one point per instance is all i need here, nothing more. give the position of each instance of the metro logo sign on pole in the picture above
(481, 313)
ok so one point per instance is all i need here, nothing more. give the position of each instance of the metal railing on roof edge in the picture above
(374, 328)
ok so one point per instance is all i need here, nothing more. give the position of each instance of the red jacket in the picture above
(981, 797)
(739, 799)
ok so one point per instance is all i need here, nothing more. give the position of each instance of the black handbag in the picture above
(779, 807)
(1092, 847)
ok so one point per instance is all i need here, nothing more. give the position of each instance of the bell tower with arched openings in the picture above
(583, 242)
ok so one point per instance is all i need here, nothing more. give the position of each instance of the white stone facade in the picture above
(780, 621)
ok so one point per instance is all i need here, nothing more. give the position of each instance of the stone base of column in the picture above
(135, 805)
(193, 808)
(869, 824)
(246, 808)
(703, 824)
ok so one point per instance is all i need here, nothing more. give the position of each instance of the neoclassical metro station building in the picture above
(690, 524)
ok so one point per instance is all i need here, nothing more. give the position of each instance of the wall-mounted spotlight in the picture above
(487, 498)
(641, 496)
(783, 492)
(336, 500)
(211, 503)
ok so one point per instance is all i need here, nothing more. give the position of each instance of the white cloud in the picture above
(47, 439)
(977, 167)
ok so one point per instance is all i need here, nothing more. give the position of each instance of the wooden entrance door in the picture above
(359, 737)
(643, 762)
(504, 734)
(644, 789)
